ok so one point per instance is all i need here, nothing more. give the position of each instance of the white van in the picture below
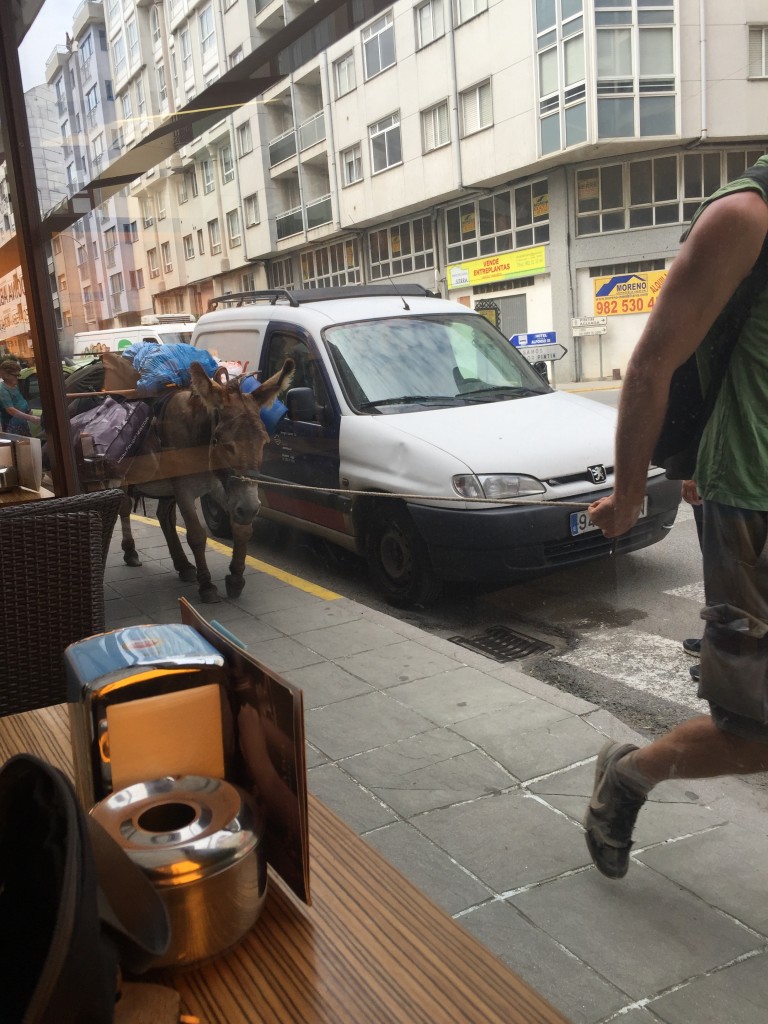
(159, 329)
(399, 392)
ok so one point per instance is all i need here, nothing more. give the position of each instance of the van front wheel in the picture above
(216, 517)
(398, 558)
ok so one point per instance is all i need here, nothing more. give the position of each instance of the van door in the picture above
(304, 449)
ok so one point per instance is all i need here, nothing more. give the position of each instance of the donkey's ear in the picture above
(203, 387)
(277, 382)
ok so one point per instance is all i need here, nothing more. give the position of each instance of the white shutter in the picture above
(758, 52)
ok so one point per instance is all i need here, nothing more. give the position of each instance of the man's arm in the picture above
(718, 254)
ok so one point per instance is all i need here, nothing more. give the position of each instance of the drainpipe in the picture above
(329, 139)
(454, 100)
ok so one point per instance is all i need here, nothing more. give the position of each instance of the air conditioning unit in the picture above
(224, 266)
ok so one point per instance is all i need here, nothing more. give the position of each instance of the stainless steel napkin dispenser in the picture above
(145, 702)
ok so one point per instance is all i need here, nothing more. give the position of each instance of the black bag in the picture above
(115, 431)
(73, 906)
(688, 409)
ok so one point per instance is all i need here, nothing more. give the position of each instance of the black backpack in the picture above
(73, 906)
(688, 409)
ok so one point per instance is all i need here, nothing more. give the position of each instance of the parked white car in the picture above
(398, 392)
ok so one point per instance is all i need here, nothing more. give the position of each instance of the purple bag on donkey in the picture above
(107, 437)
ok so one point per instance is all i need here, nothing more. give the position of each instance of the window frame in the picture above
(379, 32)
(380, 129)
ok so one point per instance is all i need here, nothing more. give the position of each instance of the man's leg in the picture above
(624, 775)
(696, 749)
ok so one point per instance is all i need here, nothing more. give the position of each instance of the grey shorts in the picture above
(734, 650)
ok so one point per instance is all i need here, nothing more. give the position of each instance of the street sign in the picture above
(537, 338)
(550, 353)
(589, 321)
(579, 332)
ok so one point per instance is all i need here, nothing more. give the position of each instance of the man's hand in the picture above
(613, 517)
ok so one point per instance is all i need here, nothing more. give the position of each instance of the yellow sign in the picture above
(627, 293)
(522, 263)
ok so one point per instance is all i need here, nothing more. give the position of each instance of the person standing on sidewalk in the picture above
(720, 249)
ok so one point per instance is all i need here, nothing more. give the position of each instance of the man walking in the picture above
(726, 237)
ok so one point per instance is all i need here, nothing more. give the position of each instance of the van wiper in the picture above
(412, 400)
(517, 390)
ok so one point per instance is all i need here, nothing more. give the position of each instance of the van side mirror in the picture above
(301, 404)
(540, 366)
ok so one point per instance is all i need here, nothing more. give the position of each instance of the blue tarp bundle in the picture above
(159, 365)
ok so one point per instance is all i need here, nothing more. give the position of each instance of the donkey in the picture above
(211, 441)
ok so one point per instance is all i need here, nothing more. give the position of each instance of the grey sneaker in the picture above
(612, 812)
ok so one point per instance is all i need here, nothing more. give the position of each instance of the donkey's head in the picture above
(237, 435)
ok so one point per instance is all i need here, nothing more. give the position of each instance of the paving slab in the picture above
(397, 663)
(533, 738)
(738, 994)
(434, 769)
(361, 810)
(567, 982)
(457, 695)
(508, 840)
(644, 934)
(348, 638)
(326, 683)
(704, 863)
(361, 723)
(450, 885)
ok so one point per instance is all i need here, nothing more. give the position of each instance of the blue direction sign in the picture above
(538, 338)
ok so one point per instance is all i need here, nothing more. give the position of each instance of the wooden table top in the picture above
(19, 495)
(372, 948)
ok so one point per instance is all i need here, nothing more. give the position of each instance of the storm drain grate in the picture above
(502, 644)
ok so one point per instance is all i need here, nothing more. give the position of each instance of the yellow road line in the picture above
(256, 563)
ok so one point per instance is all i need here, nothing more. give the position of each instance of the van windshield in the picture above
(428, 361)
(176, 337)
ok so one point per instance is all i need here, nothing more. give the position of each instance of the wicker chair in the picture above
(105, 503)
(52, 576)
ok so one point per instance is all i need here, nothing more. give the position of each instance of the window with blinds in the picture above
(434, 127)
(758, 52)
(476, 108)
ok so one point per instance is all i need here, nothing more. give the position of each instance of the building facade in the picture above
(534, 159)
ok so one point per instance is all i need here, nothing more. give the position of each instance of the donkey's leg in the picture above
(130, 554)
(166, 514)
(235, 581)
(196, 538)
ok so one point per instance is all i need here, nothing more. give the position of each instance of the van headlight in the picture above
(497, 486)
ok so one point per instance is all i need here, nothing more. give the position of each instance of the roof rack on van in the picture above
(167, 318)
(295, 296)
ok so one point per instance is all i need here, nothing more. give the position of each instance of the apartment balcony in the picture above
(282, 148)
(86, 14)
(320, 211)
(312, 131)
(93, 117)
(86, 69)
(117, 301)
(290, 223)
(109, 256)
(270, 17)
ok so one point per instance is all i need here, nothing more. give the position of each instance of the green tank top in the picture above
(732, 463)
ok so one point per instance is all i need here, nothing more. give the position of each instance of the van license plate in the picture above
(581, 523)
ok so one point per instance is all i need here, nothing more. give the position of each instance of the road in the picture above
(613, 629)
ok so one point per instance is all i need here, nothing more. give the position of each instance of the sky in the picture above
(49, 30)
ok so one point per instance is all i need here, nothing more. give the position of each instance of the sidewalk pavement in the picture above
(472, 779)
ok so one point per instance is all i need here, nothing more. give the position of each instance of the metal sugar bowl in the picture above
(200, 842)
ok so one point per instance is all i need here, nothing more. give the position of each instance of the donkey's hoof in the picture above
(131, 558)
(187, 574)
(235, 585)
(210, 595)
